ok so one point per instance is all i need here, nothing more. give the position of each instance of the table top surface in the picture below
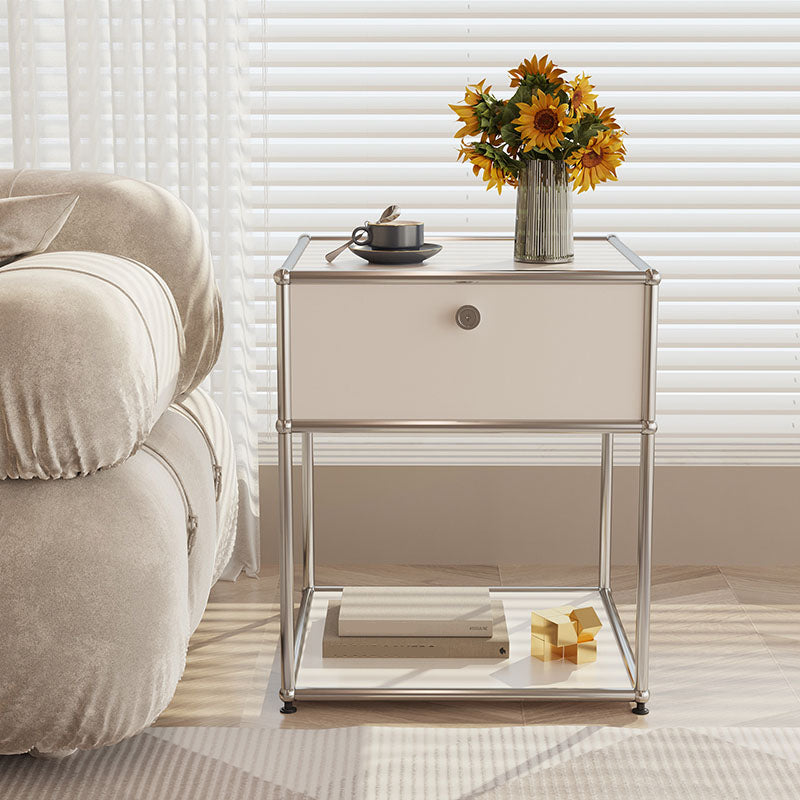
(594, 256)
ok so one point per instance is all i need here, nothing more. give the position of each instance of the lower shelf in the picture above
(518, 676)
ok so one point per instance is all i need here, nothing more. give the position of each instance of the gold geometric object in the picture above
(544, 651)
(582, 652)
(565, 632)
(586, 622)
(554, 626)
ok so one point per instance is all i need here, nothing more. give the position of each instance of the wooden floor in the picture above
(725, 650)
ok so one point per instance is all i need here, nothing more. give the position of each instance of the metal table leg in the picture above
(286, 543)
(606, 481)
(308, 510)
(286, 571)
(646, 466)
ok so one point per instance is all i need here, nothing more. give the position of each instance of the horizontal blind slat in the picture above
(300, 76)
(361, 124)
(557, 29)
(615, 195)
(362, 98)
(477, 9)
(314, 171)
(586, 219)
(573, 56)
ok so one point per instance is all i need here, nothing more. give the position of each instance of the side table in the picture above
(470, 342)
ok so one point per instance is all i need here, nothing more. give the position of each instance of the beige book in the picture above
(415, 611)
(469, 647)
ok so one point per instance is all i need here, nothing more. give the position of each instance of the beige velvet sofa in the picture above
(117, 475)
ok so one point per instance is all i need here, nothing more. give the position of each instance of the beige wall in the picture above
(471, 515)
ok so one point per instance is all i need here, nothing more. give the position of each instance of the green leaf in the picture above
(522, 95)
(496, 154)
(536, 153)
(510, 135)
(510, 113)
(588, 126)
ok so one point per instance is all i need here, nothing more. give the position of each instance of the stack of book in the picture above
(415, 622)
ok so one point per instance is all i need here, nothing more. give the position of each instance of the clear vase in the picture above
(543, 233)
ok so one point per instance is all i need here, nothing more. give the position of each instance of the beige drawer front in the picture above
(541, 351)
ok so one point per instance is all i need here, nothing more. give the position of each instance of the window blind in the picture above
(348, 106)
(356, 117)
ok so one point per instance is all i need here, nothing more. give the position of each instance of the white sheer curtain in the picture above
(154, 90)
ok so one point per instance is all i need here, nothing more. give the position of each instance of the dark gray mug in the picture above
(395, 235)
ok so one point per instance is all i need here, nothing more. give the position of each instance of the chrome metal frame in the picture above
(640, 272)
(456, 426)
(285, 504)
(308, 510)
(606, 489)
(293, 628)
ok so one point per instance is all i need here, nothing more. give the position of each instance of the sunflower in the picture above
(543, 66)
(468, 114)
(580, 92)
(604, 115)
(597, 162)
(543, 122)
(494, 175)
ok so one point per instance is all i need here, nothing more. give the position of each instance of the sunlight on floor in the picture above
(716, 658)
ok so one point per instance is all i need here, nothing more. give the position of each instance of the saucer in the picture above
(375, 256)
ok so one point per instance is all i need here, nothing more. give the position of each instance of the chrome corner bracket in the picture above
(649, 426)
(283, 426)
(282, 276)
(653, 276)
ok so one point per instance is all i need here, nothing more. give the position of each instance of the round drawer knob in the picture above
(468, 317)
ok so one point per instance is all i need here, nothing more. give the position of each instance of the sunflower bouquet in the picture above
(547, 118)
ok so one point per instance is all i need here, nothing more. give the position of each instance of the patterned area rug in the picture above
(384, 763)
(442, 764)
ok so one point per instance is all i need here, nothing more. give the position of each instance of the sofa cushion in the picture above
(100, 592)
(29, 224)
(138, 220)
(90, 353)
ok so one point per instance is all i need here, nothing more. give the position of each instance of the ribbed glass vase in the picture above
(543, 233)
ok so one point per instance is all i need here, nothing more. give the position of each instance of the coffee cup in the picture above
(394, 235)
